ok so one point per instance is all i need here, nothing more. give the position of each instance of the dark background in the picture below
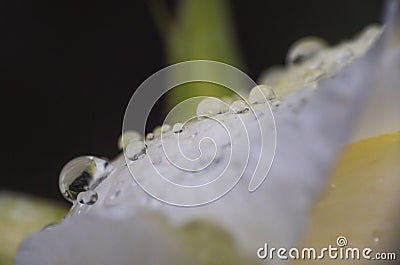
(69, 68)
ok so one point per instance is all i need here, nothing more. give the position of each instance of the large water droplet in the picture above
(126, 137)
(211, 106)
(178, 128)
(81, 174)
(88, 197)
(261, 93)
(135, 149)
(304, 49)
(239, 106)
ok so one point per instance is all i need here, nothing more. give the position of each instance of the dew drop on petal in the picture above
(80, 174)
(88, 197)
(165, 128)
(178, 128)
(304, 49)
(314, 75)
(239, 106)
(261, 93)
(127, 136)
(211, 106)
(135, 150)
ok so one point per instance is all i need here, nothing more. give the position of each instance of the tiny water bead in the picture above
(88, 197)
(81, 174)
(178, 128)
(150, 136)
(239, 106)
(127, 136)
(261, 93)
(211, 106)
(304, 49)
(135, 149)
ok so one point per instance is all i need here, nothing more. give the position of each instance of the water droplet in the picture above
(135, 150)
(344, 56)
(82, 174)
(239, 106)
(211, 106)
(314, 75)
(150, 136)
(127, 136)
(88, 197)
(178, 128)
(165, 128)
(260, 93)
(304, 49)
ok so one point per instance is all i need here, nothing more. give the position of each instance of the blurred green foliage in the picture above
(198, 29)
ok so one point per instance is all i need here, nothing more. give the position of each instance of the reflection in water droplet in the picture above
(239, 106)
(178, 128)
(304, 49)
(82, 174)
(135, 150)
(261, 93)
(88, 197)
(314, 75)
(127, 136)
(211, 106)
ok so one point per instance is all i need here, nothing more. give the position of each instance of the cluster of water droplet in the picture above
(308, 61)
(79, 178)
